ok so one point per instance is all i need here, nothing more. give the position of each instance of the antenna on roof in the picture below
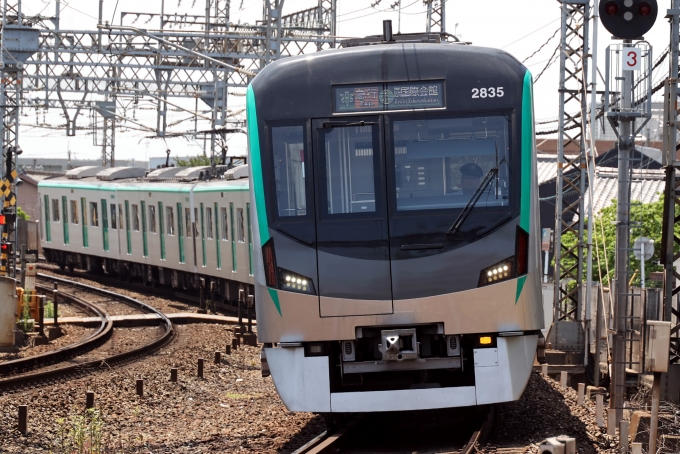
(387, 31)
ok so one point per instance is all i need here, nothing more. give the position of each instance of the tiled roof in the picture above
(646, 186)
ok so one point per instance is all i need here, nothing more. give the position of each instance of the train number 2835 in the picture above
(491, 92)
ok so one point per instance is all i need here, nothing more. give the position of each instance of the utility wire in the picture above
(525, 36)
(542, 46)
(550, 62)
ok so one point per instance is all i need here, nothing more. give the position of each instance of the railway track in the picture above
(350, 439)
(104, 279)
(19, 379)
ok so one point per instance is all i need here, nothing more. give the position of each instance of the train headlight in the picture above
(511, 267)
(501, 271)
(293, 282)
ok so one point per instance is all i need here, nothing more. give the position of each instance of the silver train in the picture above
(396, 228)
(171, 227)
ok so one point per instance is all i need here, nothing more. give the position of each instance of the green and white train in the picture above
(170, 227)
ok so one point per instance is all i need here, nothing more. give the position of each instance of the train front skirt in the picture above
(500, 373)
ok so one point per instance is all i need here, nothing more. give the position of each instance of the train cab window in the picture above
(114, 223)
(208, 223)
(170, 220)
(239, 225)
(224, 234)
(74, 212)
(55, 210)
(348, 162)
(289, 170)
(94, 215)
(135, 217)
(441, 163)
(152, 219)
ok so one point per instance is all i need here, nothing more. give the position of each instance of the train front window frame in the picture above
(349, 170)
(452, 155)
(291, 166)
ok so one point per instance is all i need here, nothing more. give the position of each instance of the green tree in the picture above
(646, 220)
(22, 214)
(194, 161)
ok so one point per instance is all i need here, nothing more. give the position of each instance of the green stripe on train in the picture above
(527, 163)
(256, 175)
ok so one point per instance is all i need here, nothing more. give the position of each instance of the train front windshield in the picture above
(441, 163)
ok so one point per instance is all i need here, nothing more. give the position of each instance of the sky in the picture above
(520, 27)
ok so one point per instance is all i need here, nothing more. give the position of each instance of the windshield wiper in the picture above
(471, 203)
(333, 124)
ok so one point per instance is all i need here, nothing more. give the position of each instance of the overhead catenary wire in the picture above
(542, 46)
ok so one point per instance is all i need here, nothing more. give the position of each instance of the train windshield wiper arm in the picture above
(471, 203)
(333, 124)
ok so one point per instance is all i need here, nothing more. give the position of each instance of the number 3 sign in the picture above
(631, 59)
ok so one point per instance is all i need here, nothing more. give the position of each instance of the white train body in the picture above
(172, 231)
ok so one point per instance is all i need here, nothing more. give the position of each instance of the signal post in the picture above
(626, 104)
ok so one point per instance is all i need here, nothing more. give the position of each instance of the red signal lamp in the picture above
(3, 220)
(4, 247)
(611, 8)
(645, 9)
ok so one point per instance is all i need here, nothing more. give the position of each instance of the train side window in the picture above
(94, 215)
(74, 212)
(208, 223)
(224, 226)
(195, 222)
(55, 210)
(288, 149)
(239, 225)
(152, 219)
(135, 217)
(187, 217)
(120, 213)
(114, 223)
(170, 220)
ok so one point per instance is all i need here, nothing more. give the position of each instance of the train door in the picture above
(353, 256)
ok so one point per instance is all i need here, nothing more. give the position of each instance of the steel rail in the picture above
(24, 380)
(323, 442)
(101, 333)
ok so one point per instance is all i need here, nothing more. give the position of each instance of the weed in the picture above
(49, 309)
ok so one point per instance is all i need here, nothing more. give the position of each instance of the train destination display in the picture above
(388, 96)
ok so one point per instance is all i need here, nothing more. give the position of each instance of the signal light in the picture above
(645, 9)
(2, 219)
(611, 8)
(4, 247)
(628, 19)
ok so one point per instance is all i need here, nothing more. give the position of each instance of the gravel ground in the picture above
(233, 409)
(545, 410)
(71, 335)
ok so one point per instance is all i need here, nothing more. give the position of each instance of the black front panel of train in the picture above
(385, 192)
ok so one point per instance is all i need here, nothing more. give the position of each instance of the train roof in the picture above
(96, 182)
(301, 86)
